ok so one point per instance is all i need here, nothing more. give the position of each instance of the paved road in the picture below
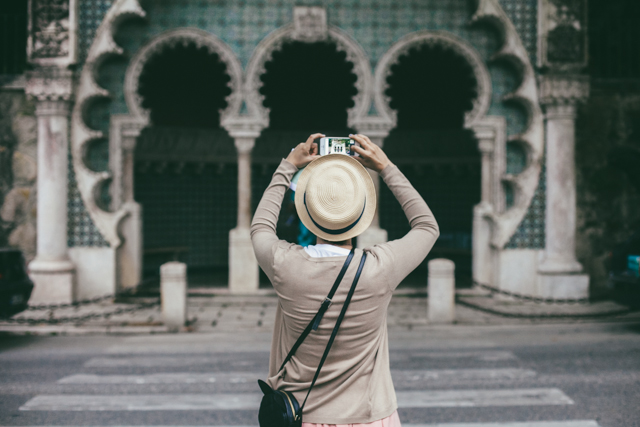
(579, 375)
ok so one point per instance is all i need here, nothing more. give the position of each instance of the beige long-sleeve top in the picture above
(355, 384)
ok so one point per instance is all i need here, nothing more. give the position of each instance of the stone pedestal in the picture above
(559, 269)
(442, 291)
(51, 271)
(173, 294)
(243, 266)
(482, 256)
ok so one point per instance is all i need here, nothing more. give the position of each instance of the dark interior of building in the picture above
(186, 167)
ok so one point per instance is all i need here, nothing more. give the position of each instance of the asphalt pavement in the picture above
(525, 375)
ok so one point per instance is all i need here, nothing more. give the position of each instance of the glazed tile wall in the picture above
(375, 24)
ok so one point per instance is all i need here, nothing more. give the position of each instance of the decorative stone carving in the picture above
(563, 90)
(173, 38)
(505, 223)
(449, 41)
(274, 41)
(50, 84)
(309, 23)
(88, 90)
(52, 32)
(562, 34)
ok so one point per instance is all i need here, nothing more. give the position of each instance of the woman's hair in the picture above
(341, 243)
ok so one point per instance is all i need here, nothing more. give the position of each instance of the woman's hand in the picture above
(305, 152)
(371, 155)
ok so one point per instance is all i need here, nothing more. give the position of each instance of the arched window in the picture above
(431, 88)
(186, 170)
(308, 88)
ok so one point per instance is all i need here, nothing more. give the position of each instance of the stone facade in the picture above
(18, 171)
(107, 117)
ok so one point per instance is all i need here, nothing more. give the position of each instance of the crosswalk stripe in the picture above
(462, 374)
(576, 423)
(475, 398)
(251, 401)
(165, 378)
(155, 361)
(248, 377)
(482, 355)
(142, 402)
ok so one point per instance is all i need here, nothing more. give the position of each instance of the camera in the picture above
(337, 145)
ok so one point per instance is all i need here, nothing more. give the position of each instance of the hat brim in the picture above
(370, 192)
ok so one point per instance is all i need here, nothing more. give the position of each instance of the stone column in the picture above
(243, 266)
(122, 160)
(51, 271)
(374, 234)
(481, 252)
(559, 269)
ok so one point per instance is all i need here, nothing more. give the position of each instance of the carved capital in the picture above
(485, 132)
(244, 145)
(563, 90)
(561, 111)
(309, 23)
(50, 84)
(486, 146)
(52, 32)
(244, 127)
(53, 108)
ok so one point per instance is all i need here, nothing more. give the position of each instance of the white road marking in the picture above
(576, 423)
(251, 377)
(475, 398)
(251, 401)
(144, 402)
(147, 361)
(168, 378)
(462, 374)
(482, 355)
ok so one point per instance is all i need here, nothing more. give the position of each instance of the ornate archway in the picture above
(121, 225)
(292, 32)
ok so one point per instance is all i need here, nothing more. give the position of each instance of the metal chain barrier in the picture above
(78, 319)
(132, 292)
(88, 301)
(532, 298)
(539, 300)
(611, 313)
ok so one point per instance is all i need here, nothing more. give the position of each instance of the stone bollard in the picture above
(442, 291)
(173, 294)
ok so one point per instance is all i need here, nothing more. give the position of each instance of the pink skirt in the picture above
(391, 421)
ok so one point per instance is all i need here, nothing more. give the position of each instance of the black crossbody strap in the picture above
(313, 325)
(335, 328)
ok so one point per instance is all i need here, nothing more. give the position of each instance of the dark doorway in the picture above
(431, 89)
(186, 167)
(308, 88)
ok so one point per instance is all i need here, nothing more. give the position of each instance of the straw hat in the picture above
(335, 197)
